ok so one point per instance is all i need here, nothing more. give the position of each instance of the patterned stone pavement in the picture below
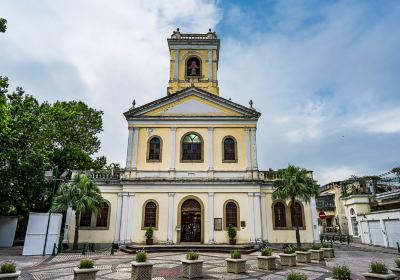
(167, 266)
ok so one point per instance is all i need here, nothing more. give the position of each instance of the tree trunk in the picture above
(295, 214)
(76, 235)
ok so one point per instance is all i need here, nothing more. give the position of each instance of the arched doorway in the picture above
(191, 223)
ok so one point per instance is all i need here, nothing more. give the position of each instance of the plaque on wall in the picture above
(217, 223)
(243, 223)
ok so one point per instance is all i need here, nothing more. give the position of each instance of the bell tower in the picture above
(194, 61)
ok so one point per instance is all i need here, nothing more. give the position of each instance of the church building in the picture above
(192, 167)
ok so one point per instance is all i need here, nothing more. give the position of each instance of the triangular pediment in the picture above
(192, 103)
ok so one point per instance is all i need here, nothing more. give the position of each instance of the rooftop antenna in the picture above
(133, 103)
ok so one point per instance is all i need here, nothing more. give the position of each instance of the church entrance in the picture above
(191, 221)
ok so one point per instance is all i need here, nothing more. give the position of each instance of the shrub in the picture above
(326, 245)
(316, 247)
(289, 250)
(231, 232)
(141, 256)
(266, 251)
(8, 267)
(149, 233)
(303, 249)
(86, 263)
(397, 262)
(296, 276)
(192, 255)
(236, 254)
(341, 272)
(378, 267)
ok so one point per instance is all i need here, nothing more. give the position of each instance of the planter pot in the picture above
(142, 270)
(10, 276)
(328, 252)
(396, 271)
(375, 276)
(236, 265)
(232, 241)
(85, 273)
(266, 262)
(288, 259)
(317, 255)
(192, 268)
(303, 257)
(149, 241)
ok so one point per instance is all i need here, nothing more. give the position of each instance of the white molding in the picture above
(204, 121)
(118, 220)
(135, 147)
(170, 217)
(264, 216)
(122, 233)
(192, 47)
(254, 147)
(128, 150)
(211, 217)
(247, 134)
(257, 217)
(251, 216)
(129, 216)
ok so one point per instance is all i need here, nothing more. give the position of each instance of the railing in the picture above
(102, 175)
(269, 175)
(322, 204)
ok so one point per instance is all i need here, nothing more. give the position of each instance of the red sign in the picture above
(322, 215)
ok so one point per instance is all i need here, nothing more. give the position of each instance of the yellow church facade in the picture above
(192, 168)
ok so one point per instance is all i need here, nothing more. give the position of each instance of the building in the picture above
(191, 167)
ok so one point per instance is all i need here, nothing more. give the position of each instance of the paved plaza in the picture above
(167, 265)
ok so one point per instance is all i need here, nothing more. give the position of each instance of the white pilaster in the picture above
(131, 200)
(118, 220)
(264, 217)
(172, 151)
(176, 66)
(254, 147)
(314, 219)
(67, 223)
(135, 147)
(251, 216)
(211, 217)
(210, 63)
(170, 217)
(124, 214)
(248, 162)
(257, 217)
(210, 149)
(129, 149)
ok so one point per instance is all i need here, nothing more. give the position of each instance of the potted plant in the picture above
(340, 273)
(316, 253)
(296, 276)
(396, 270)
(266, 260)
(327, 250)
(378, 270)
(85, 270)
(232, 235)
(235, 264)
(303, 255)
(141, 268)
(149, 235)
(288, 258)
(192, 267)
(8, 270)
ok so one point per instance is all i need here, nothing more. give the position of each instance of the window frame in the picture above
(225, 227)
(144, 214)
(201, 152)
(93, 220)
(223, 150)
(275, 227)
(200, 67)
(301, 215)
(148, 149)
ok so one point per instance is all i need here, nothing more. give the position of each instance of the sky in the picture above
(324, 74)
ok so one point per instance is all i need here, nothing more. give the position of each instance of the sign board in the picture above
(217, 223)
(322, 215)
(36, 233)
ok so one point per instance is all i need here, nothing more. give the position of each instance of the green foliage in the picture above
(232, 232)
(296, 276)
(86, 263)
(378, 267)
(289, 250)
(303, 249)
(141, 256)
(8, 267)
(266, 251)
(397, 262)
(341, 272)
(326, 245)
(396, 170)
(149, 233)
(82, 195)
(192, 255)
(236, 254)
(3, 25)
(316, 247)
(295, 183)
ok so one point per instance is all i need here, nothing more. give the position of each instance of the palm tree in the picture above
(295, 183)
(82, 195)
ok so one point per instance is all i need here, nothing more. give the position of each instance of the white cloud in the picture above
(379, 122)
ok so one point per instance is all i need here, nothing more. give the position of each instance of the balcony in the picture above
(326, 205)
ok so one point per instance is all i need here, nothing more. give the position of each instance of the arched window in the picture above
(102, 219)
(280, 214)
(231, 214)
(193, 67)
(229, 149)
(191, 147)
(85, 220)
(154, 149)
(150, 214)
(296, 215)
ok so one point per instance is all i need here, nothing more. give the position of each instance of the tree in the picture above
(295, 183)
(82, 195)
(3, 25)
